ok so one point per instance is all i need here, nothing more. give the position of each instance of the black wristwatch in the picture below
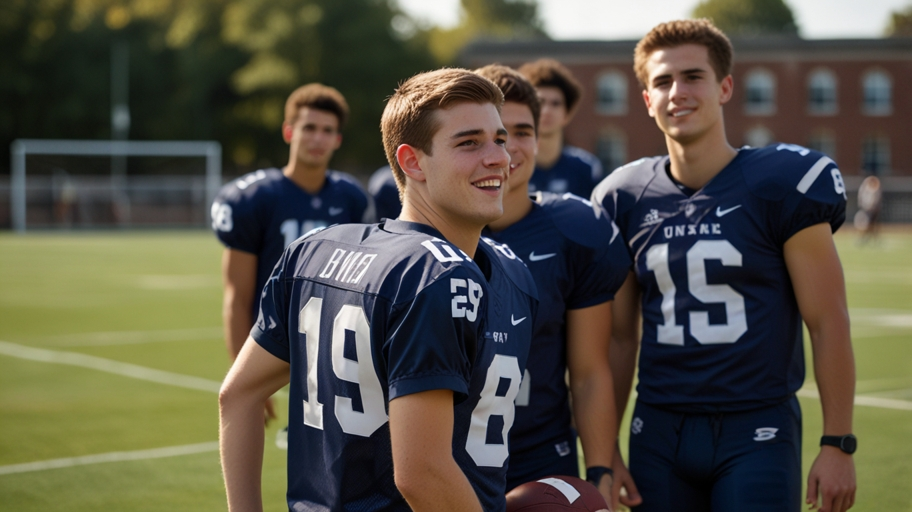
(595, 473)
(847, 443)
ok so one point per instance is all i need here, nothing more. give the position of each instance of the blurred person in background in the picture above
(867, 218)
(559, 168)
(383, 190)
(259, 214)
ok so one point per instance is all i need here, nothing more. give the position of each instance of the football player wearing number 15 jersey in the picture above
(405, 341)
(732, 250)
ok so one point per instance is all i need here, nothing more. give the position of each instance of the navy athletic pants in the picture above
(720, 462)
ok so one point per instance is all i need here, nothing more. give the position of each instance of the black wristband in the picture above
(595, 473)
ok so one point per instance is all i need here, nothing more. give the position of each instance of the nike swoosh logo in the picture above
(516, 322)
(336, 211)
(721, 213)
(539, 257)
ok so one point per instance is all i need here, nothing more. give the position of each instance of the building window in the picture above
(875, 155)
(611, 149)
(822, 92)
(760, 95)
(758, 137)
(823, 141)
(612, 93)
(878, 93)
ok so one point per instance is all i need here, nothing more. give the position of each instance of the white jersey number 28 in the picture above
(705, 333)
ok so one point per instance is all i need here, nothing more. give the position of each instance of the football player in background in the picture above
(404, 341)
(732, 249)
(382, 188)
(259, 214)
(559, 168)
(578, 262)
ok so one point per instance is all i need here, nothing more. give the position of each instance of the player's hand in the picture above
(269, 413)
(605, 487)
(623, 491)
(832, 479)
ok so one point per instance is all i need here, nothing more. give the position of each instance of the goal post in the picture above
(21, 148)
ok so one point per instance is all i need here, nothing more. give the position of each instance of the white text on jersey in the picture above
(459, 305)
(692, 230)
(348, 266)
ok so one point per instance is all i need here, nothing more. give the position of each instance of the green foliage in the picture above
(497, 19)
(900, 23)
(748, 17)
(202, 69)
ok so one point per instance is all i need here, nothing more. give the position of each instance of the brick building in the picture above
(838, 96)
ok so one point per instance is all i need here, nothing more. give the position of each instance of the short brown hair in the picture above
(514, 86)
(551, 73)
(409, 116)
(319, 97)
(677, 33)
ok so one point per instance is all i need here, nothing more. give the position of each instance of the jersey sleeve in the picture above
(270, 330)
(235, 220)
(818, 197)
(432, 345)
(601, 265)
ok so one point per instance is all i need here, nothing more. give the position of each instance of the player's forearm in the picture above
(241, 434)
(834, 370)
(237, 319)
(595, 416)
(623, 368)
(439, 486)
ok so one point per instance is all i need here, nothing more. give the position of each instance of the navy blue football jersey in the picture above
(576, 171)
(365, 314)
(577, 259)
(721, 326)
(382, 188)
(264, 211)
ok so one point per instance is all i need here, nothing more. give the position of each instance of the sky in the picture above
(631, 19)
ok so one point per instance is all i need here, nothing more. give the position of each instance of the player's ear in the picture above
(338, 141)
(408, 158)
(286, 132)
(648, 103)
(727, 85)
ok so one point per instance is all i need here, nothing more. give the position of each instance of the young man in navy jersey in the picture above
(259, 214)
(404, 341)
(578, 262)
(383, 190)
(559, 168)
(732, 249)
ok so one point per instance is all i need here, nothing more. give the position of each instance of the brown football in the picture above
(555, 494)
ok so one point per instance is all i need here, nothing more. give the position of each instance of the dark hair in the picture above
(514, 86)
(409, 114)
(677, 33)
(551, 73)
(316, 96)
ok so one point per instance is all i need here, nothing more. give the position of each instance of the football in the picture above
(555, 494)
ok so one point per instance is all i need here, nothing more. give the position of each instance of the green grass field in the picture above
(111, 354)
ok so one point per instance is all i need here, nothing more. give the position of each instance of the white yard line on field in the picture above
(155, 453)
(134, 337)
(870, 401)
(109, 366)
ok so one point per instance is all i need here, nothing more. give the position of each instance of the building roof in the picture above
(766, 48)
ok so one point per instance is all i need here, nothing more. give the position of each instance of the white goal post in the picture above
(21, 148)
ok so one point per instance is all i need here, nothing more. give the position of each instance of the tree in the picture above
(202, 69)
(748, 17)
(499, 19)
(900, 23)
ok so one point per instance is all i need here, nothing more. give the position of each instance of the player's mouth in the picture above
(490, 184)
(681, 112)
(514, 166)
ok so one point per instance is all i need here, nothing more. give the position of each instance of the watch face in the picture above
(849, 444)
